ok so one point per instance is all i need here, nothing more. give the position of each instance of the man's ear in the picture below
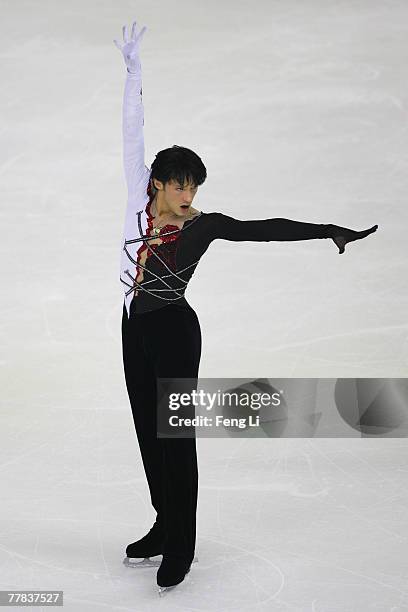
(157, 187)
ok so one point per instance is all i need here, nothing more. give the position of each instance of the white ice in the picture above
(298, 110)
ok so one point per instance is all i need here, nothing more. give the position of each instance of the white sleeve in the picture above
(136, 172)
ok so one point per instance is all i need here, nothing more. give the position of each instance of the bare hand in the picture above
(343, 235)
(130, 47)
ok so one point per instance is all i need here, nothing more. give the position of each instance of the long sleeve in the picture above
(265, 230)
(133, 140)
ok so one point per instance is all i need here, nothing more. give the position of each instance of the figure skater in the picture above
(164, 238)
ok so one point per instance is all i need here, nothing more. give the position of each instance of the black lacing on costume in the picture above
(141, 286)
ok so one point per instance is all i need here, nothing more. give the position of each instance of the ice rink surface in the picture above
(298, 110)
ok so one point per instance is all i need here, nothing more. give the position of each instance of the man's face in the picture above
(179, 198)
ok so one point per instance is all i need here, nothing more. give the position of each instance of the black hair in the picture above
(179, 164)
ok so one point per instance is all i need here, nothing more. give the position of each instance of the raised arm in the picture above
(136, 172)
(261, 230)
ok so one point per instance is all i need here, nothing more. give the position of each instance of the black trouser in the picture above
(164, 343)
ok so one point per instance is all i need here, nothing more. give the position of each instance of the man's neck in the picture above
(159, 211)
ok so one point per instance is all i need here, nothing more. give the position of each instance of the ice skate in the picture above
(138, 554)
(171, 573)
(164, 589)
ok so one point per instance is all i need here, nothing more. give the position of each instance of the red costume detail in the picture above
(169, 254)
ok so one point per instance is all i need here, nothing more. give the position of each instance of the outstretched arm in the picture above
(133, 119)
(266, 230)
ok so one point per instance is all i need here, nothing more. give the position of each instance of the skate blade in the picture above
(164, 590)
(146, 562)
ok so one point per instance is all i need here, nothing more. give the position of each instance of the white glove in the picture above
(130, 48)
